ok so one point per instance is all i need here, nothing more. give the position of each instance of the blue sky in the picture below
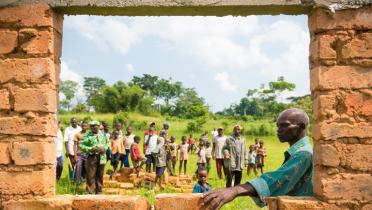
(221, 57)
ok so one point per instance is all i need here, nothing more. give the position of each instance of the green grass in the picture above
(274, 158)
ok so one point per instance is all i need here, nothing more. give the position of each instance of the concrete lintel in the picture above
(174, 7)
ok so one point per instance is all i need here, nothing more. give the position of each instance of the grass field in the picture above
(274, 159)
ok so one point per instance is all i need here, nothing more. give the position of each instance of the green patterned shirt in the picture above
(293, 178)
(91, 140)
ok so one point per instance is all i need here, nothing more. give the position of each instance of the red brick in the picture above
(346, 187)
(297, 203)
(33, 99)
(324, 106)
(36, 42)
(340, 77)
(8, 41)
(31, 70)
(32, 153)
(355, 156)
(359, 47)
(333, 131)
(45, 125)
(37, 183)
(31, 15)
(4, 100)
(367, 207)
(326, 155)
(322, 48)
(323, 20)
(104, 202)
(4, 153)
(183, 201)
(62, 202)
(359, 104)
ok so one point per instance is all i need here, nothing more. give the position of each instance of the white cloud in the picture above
(130, 67)
(106, 33)
(68, 74)
(224, 81)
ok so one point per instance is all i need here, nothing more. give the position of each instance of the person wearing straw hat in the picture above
(235, 156)
(95, 144)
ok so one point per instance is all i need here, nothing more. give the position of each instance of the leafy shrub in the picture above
(121, 117)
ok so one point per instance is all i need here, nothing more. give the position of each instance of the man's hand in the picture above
(217, 198)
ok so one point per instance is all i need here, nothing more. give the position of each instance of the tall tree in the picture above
(146, 82)
(68, 88)
(92, 85)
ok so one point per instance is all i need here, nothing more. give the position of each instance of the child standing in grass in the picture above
(201, 156)
(174, 151)
(137, 159)
(160, 162)
(208, 154)
(252, 160)
(184, 156)
(117, 148)
(261, 154)
(202, 186)
(191, 143)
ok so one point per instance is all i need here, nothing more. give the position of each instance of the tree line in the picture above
(146, 94)
(149, 94)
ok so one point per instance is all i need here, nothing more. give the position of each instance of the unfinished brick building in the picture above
(341, 86)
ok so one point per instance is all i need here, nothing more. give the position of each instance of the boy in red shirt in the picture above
(136, 156)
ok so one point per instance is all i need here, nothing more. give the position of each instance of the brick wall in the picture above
(30, 48)
(341, 85)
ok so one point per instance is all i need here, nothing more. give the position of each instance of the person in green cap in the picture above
(95, 144)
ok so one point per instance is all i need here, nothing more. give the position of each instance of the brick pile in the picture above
(126, 182)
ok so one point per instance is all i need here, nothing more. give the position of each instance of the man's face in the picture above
(152, 128)
(84, 127)
(237, 131)
(73, 122)
(166, 127)
(94, 128)
(287, 129)
(220, 132)
(105, 127)
(129, 130)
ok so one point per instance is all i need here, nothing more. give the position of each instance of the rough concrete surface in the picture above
(191, 7)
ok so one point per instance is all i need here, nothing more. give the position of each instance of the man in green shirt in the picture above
(95, 144)
(293, 178)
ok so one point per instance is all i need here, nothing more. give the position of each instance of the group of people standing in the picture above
(90, 145)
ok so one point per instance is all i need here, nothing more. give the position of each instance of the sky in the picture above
(221, 57)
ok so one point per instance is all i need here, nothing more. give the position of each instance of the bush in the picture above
(121, 117)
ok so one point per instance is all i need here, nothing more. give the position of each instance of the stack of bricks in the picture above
(126, 181)
(341, 86)
(30, 48)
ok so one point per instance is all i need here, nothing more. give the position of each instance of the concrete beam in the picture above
(190, 7)
(174, 7)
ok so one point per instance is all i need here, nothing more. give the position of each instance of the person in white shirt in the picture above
(59, 151)
(214, 133)
(69, 143)
(128, 141)
(151, 139)
(217, 153)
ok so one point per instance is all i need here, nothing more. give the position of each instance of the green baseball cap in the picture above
(94, 122)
